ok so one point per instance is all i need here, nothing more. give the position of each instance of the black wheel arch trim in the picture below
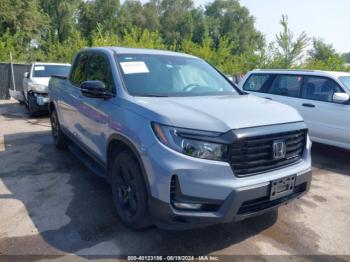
(132, 147)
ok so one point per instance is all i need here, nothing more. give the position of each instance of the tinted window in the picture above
(320, 88)
(167, 75)
(287, 85)
(258, 83)
(99, 69)
(49, 70)
(78, 74)
(345, 80)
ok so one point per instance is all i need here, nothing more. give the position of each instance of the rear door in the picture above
(93, 113)
(329, 122)
(70, 94)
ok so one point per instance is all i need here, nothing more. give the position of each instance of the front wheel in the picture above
(59, 138)
(31, 103)
(129, 191)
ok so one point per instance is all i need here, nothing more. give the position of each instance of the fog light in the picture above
(180, 205)
(41, 101)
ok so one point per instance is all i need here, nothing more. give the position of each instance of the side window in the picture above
(320, 88)
(78, 74)
(99, 69)
(258, 83)
(287, 85)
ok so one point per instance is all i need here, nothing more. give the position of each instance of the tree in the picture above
(10, 42)
(87, 19)
(151, 14)
(321, 50)
(62, 14)
(102, 13)
(323, 56)
(106, 11)
(288, 51)
(176, 20)
(200, 30)
(130, 15)
(52, 50)
(23, 19)
(134, 37)
(227, 18)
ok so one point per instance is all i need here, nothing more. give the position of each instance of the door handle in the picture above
(268, 98)
(309, 105)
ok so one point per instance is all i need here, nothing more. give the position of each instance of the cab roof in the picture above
(130, 50)
(303, 72)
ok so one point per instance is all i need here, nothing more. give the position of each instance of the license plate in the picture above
(282, 187)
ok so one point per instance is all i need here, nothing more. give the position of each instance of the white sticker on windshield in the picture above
(135, 67)
(39, 68)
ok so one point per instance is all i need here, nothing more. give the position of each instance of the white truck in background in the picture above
(35, 84)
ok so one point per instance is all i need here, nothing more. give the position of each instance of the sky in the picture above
(325, 19)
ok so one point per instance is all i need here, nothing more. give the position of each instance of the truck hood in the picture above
(41, 80)
(219, 113)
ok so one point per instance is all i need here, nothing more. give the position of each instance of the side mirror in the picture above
(95, 89)
(26, 75)
(341, 98)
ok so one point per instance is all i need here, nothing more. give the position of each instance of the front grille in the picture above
(254, 155)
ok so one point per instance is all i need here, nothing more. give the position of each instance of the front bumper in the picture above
(41, 101)
(240, 204)
(206, 181)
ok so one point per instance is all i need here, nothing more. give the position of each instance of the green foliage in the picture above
(62, 16)
(135, 38)
(333, 63)
(12, 43)
(324, 57)
(227, 18)
(321, 50)
(65, 51)
(287, 51)
(222, 32)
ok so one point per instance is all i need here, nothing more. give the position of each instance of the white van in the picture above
(322, 98)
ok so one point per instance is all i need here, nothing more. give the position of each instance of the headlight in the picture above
(191, 142)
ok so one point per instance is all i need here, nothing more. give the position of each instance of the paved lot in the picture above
(50, 204)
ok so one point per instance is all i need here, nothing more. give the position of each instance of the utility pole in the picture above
(12, 73)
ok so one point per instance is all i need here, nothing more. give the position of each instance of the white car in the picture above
(35, 84)
(321, 97)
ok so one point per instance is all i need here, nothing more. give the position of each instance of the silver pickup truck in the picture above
(180, 145)
(36, 81)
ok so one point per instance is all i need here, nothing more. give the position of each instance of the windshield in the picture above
(49, 70)
(345, 80)
(163, 75)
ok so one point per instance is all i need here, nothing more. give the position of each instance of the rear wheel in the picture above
(59, 138)
(129, 191)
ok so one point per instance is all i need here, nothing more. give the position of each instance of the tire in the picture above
(31, 105)
(59, 138)
(129, 191)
